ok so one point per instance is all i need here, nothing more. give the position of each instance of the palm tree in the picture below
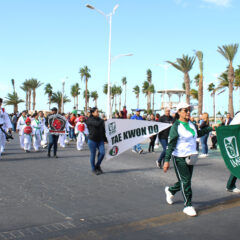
(194, 94)
(119, 93)
(199, 55)
(94, 96)
(124, 83)
(27, 89)
(213, 89)
(57, 98)
(229, 52)
(152, 91)
(136, 90)
(223, 81)
(34, 83)
(13, 84)
(146, 91)
(105, 88)
(88, 97)
(237, 81)
(184, 65)
(84, 73)
(48, 91)
(14, 100)
(114, 96)
(75, 93)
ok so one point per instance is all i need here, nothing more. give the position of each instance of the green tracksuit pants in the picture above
(184, 175)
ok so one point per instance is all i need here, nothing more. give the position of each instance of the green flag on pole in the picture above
(228, 138)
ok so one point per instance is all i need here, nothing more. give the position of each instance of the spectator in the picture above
(204, 138)
(72, 123)
(228, 119)
(124, 112)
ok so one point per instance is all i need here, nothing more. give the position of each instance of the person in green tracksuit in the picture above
(181, 148)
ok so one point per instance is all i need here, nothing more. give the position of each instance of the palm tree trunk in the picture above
(200, 94)
(187, 86)
(29, 99)
(74, 101)
(96, 102)
(86, 98)
(34, 99)
(77, 102)
(49, 101)
(120, 103)
(26, 100)
(230, 86)
(138, 101)
(148, 102)
(115, 103)
(60, 107)
(125, 100)
(153, 104)
(15, 108)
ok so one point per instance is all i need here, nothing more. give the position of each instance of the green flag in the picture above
(228, 138)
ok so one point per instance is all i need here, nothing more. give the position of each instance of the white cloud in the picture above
(223, 3)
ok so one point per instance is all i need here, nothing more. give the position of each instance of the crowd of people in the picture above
(180, 142)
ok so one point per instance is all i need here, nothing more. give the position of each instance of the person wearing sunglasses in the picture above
(182, 148)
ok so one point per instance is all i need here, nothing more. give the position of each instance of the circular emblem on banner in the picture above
(114, 151)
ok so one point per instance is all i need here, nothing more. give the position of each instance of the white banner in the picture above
(123, 134)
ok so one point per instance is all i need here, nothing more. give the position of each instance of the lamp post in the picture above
(109, 18)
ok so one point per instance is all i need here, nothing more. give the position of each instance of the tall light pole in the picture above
(109, 18)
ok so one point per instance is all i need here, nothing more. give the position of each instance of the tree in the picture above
(136, 90)
(152, 91)
(194, 94)
(94, 96)
(124, 83)
(48, 91)
(27, 89)
(14, 100)
(88, 97)
(184, 65)
(75, 93)
(34, 84)
(237, 81)
(105, 88)
(199, 55)
(212, 89)
(57, 98)
(119, 93)
(229, 52)
(85, 74)
(114, 96)
(146, 89)
(13, 84)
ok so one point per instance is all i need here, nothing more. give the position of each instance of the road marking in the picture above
(155, 221)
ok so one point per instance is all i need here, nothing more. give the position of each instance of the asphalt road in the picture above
(60, 199)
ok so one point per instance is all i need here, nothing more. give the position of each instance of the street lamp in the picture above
(109, 18)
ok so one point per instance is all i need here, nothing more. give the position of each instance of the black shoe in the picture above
(55, 156)
(49, 155)
(95, 172)
(98, 169)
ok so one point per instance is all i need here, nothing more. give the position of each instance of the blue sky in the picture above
(51, 39)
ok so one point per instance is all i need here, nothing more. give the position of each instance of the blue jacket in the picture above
(137, 117)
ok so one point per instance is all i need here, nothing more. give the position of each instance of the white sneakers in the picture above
(235, 190)
(169, 196)
(190, 211)
(203, 155)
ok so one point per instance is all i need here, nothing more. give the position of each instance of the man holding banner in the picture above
(182, 148)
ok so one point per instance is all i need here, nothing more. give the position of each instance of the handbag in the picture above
(192, 159)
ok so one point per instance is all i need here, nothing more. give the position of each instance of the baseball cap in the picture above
(137, 110)
(54, 109)
(182, 105)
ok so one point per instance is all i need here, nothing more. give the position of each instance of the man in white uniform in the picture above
(5, 124)
(20, 124)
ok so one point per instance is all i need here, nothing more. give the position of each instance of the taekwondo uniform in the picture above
(5, 124)
(63, 137)
(37, 133)
(27, 132)
(20, 124)
(80, 130)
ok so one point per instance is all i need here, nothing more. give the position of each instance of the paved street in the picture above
(53, 199)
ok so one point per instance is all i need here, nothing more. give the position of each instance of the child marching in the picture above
(80, 131)
(37, 132)
(20, 124)
(27, 132)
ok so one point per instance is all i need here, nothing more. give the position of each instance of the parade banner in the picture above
(123, 134)
(57, 124)
(228, 138)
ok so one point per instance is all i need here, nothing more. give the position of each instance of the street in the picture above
(45, 198)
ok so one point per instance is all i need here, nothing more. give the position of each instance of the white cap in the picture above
(182, 105)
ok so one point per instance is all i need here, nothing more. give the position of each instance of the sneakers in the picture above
(99, 170)
(235, 190)
(158, 164)
(140, 151)
(134, 151)
(169, 196)
(190, 211)
(203, 155)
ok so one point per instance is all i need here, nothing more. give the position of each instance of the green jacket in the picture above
(174, 138)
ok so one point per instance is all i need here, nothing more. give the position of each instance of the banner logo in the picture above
(112, 128)
(114, 151)
(231, 147)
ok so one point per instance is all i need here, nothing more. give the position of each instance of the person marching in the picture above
(27, 133)
(182, 149)
(80, 131)
(96, 139)
(53, 139)
(37, 132)
(20, 124)
(5, 124)
(63, 137)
